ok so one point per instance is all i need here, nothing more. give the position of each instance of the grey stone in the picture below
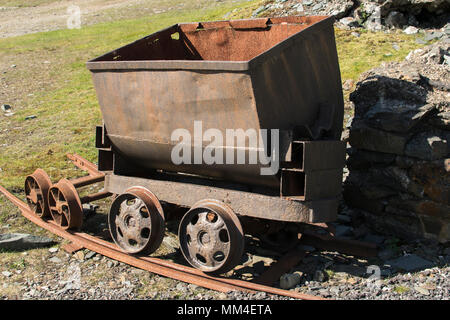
(53, 250)
(379, 92)
(344, 218)
(349, 22)
(446, 29)
(385, 272)
(422, 290)
(420, 41)
(7, 274)
(259, 10)
(373, 238)
(317, 6)
(320, 276)
(22, 241)
(335, 290)
(447, 251)
(362, 159)
(90, 254)
(306, 248)
(433, 35)
(447, 59)
(396, 179)
(395, 19)
(181, 287)
(367, 138)
(55, 260)
(350, 269)
(427, 146)
(6, 108)
(411, 30)
(396, 115)
(290, 280)
(410, 262)
(342, 231)
(386, 254)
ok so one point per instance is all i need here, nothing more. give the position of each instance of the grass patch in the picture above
(67, 109)
(330, 273)
(22, 3)
(357, 55)
(401, 289)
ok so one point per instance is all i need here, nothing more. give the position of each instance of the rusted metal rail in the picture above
(169, 269)
(155, 265)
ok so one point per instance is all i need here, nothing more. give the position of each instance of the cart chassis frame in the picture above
(186, 191)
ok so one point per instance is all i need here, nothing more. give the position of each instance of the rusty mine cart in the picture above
(271, 73)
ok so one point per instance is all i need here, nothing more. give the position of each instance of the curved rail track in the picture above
(162, 267)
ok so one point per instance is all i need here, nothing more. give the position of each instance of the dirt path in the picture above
(22, 17)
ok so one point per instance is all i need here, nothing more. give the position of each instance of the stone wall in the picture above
(399, 166)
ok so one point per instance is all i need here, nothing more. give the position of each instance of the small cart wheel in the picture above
(65, 205)
(136, 221)
(36, 191)
(211, 237)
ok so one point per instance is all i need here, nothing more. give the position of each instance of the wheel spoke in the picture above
(119, 221)
(39, 208)
(191, 230)
(218, 225)
(54, 195)
(138, 203)
(202, 217)
(123, 207)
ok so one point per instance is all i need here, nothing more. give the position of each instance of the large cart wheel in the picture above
(65, 205)
(36, 191)
(136, 221)
(211, 237)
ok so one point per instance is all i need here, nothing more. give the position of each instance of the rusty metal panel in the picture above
(301, 186)
(244, 203)
(315, 155)
(271, 73)
(300, 84)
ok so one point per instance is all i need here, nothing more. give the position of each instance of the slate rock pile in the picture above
(371, 14)
(399, 166)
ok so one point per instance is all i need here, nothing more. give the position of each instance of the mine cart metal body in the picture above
(278, 73)
(274, 75)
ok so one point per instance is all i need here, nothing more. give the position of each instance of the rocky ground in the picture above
(402, 270)
(373, 15)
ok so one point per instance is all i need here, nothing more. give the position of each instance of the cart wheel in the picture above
(65, 205)
(36, 191)
(211, 237)
(136, 221)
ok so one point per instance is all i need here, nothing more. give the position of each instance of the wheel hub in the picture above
(136, 221)
(65, 205)
(36, 191)
(211, 238)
